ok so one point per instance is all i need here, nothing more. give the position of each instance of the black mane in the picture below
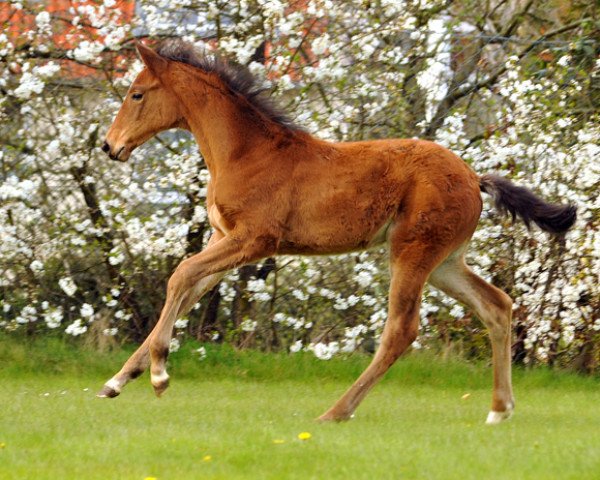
(237, 78)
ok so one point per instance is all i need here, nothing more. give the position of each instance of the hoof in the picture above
(107, 392)
(160, 389)
(494, 418)
(160, 383)
(334, 417)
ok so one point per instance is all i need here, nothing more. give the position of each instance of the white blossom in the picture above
(86, 51)
(53, 317)
(110, 332)
(36, 266)
(201, 352)
(68, 286)
(181, 323)
(86, 311)
(76, 328)
(28, 314)
(174, 345)
(42, 19)
(28, 85)
(324, 351)
(248, 325)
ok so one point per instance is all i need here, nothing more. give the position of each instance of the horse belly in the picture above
(345, 233)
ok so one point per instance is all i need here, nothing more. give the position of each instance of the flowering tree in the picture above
(87, 243)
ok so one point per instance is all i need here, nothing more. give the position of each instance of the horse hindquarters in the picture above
(420, 239)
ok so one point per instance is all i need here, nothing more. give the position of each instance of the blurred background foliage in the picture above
(88, 244)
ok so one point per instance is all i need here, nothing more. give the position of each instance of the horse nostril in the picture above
(106, 147)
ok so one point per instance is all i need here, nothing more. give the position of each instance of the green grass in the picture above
(232, 406)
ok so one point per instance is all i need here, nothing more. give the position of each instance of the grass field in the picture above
(238, 415)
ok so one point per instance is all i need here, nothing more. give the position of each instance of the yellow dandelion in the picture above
(278, 441)
(465, 396)
(206, 458)
(304, 435)
(150, 478)
(2, 445)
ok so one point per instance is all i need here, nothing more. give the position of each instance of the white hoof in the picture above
(494, 418)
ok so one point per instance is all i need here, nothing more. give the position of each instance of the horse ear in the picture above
(155, 63)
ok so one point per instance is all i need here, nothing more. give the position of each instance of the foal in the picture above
(275, 189)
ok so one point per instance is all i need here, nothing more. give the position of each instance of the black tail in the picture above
(523, 203)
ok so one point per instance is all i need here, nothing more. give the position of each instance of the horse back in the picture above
(345, 196)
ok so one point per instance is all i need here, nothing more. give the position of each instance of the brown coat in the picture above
(275, 189)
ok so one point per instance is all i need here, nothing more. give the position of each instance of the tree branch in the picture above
(454, 95)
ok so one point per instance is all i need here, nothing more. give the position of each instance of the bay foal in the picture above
(275, 189)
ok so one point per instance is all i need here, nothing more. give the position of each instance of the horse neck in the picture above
(223, 126)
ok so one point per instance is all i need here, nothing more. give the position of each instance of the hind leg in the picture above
(494, 308)
(410, 265)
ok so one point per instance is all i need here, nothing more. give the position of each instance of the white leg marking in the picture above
(160, 378)
(114, 384)
(494, 418)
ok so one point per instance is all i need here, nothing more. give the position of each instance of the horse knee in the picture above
(182, 278)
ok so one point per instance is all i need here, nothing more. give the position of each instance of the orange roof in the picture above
(65, 33)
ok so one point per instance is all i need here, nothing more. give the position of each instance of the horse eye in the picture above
(137, 96)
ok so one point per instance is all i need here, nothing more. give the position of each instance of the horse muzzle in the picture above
(120, 154)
